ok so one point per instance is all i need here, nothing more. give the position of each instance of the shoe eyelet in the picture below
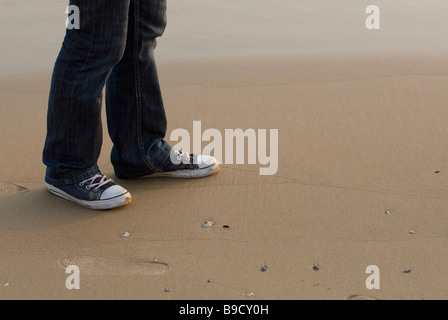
(81, 184)
(87, 187)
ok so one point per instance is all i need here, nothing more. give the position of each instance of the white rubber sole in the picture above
(188, 174)
(113, 203)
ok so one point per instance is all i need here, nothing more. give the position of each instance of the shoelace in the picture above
(184, 155)
(90, 183)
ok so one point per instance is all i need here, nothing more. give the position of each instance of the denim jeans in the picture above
(113, 49)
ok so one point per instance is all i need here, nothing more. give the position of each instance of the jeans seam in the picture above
(137, 87)
(85, 61)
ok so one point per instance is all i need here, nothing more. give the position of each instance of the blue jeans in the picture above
(114, 48)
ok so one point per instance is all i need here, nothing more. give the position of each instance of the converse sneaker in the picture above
(97, 192)
(185, 165)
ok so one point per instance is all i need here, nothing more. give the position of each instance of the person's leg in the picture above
(136, 116)
(74, 130)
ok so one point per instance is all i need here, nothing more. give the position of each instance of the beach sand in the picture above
(362, 180)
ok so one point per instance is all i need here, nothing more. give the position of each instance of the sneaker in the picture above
(97, 192)
(186, 166)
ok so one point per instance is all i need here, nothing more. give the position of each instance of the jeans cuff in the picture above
(74, 177)
(155, 161)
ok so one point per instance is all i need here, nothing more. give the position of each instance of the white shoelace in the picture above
(184, 155)
(90, 182)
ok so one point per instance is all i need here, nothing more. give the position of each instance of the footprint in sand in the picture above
(9, 188)
(102, 266)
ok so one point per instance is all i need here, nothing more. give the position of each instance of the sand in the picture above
(362, 181)
(362, 159)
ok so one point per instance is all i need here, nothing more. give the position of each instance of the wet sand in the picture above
(362, 181)
(33, 31)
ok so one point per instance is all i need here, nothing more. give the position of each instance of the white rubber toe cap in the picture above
(113, 192)
(206, 161)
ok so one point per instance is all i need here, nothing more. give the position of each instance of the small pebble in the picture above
(125, 235)
(264, 269)
(411, 232)
(387, 212)
(249, 294)
(316, 268)
(407, 271)
(167, 290)
(6, 284)
(226, 227)
(155, 261)
(208, 224)
(437, 172)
